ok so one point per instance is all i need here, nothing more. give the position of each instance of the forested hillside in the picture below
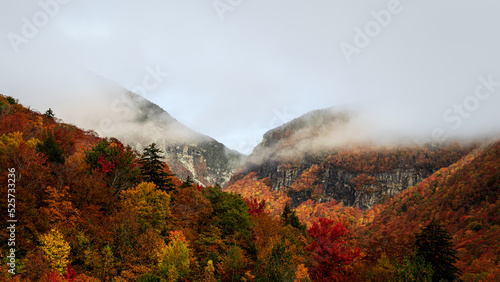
(322, 156)
(138, 122)
(79, 207)
(463, 198)
(188, 153)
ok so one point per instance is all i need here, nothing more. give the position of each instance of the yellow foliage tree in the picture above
(174, 259)
(56, 249)
(209, 275)
(32, 143)
(9, 142)
(150, 204)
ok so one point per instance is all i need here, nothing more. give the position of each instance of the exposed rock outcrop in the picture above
(139, 122)
(297, 159)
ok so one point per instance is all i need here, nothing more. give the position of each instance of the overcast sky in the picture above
(233, 69)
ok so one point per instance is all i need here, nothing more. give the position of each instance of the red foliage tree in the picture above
(330, 253)
(70, 273)
(106, 166)
(255, 207)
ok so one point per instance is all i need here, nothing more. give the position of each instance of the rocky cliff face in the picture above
(209, 163)
(139, 122)
(357, 175)
(332, 182)
(336, 183)
(187, 152)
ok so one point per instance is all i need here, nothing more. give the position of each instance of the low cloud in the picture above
(221, 72)
(354, 126)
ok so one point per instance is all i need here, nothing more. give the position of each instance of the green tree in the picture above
(11, 100)
(118, 164)
(414, 268)
(51, 149)
(174, 259)
(289, 217)
(49, 113)
(277, 265)
(187, 182)
(433, 243)
(230, 212)
(4, 107)
(152, 168)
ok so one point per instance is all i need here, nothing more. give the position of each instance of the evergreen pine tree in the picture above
(152, 168)
(49, 113)
(11, 100)
(285, 215)
(289, 217)
(187, 182)
(433, 243)
(50, 148)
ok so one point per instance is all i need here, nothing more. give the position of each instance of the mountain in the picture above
(462, 197)
(138, 122)
(328, 155)
(87, 215)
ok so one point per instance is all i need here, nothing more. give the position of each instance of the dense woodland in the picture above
(93, 209)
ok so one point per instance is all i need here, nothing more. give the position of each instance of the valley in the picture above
(314, 201)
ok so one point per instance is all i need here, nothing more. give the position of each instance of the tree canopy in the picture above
(153, 168)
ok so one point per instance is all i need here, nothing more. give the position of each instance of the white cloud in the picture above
(226, 77)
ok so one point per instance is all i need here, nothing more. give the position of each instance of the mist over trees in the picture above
(94, 209)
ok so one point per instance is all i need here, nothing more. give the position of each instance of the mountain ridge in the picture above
(340, 164)
(113, 111)
(187, 152)
(88, 194)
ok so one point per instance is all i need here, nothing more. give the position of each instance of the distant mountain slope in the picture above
(139, 122)
(325, 155)
(464, 198)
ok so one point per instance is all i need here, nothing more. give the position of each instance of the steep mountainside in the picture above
(322, 156)
(86, 196)
(139, 122)
(462, 197)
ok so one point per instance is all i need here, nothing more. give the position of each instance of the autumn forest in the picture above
(79, 207)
